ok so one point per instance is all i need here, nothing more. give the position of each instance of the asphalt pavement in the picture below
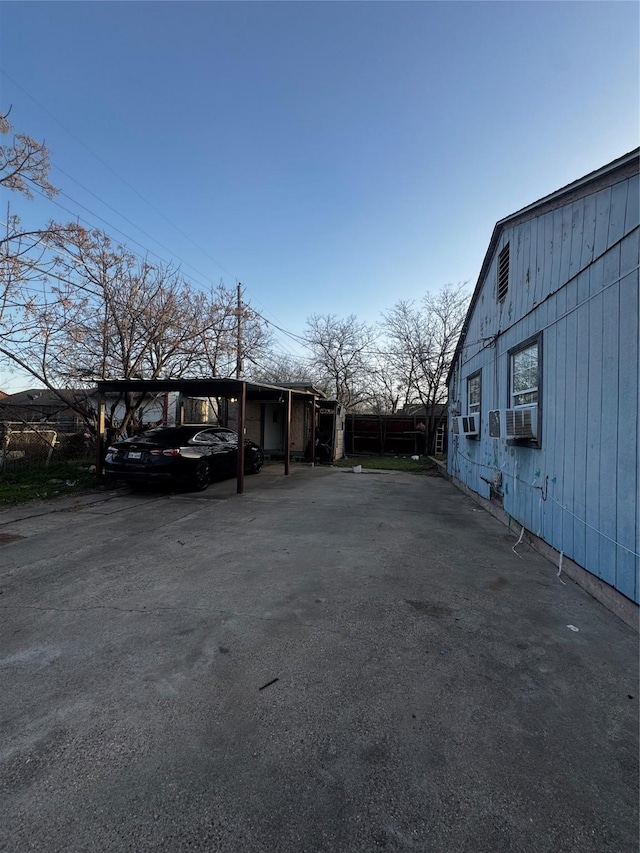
(330, 662)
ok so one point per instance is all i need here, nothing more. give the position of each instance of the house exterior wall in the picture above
(252, 420)
(573, 279)
(253, 424)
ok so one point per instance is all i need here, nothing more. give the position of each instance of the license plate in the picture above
(134, 454)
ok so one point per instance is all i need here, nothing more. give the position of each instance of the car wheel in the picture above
(201, 477)
(256, 465)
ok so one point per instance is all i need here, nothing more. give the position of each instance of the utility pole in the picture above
(239, 333)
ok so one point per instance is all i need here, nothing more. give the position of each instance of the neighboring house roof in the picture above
(35, 404)
(600, 178)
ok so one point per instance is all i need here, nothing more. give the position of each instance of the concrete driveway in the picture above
(330, 662)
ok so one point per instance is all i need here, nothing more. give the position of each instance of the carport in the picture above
(236, 391)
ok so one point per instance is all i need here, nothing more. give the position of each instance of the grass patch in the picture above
(58, 480)
(390, 463)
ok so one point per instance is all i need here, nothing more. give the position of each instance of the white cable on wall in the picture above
(566, 509)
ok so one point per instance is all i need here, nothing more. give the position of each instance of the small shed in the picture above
(265, 421)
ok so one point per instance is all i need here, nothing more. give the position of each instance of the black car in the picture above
(187, 455)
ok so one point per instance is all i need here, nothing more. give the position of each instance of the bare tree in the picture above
(24, 163)
(24, 257)
(101, 313)
(340, 355)
(76, 307)
(383, 389)
(421, 342)
(216, 343)
(278, 368)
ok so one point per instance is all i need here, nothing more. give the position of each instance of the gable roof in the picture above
(604, 176)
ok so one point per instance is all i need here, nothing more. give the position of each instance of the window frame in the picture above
(477, 374)
(513, 351)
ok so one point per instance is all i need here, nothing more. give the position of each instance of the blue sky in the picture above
(334, 157)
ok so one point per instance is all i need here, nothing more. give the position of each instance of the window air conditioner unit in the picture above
(514, 423)
(466, 424)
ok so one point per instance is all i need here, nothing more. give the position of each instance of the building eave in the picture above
(579, 188)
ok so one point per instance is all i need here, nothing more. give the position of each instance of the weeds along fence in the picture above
(25, 446)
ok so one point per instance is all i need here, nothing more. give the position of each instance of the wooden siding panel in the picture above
(538, 261)
(609, 439)
(603, 212)
(528, 464)
(551, 418)
(547, 258)
(581, 431)
(611, 268)
(565, 248)
(533, 261)
(556, 250)
(596, 276)
(594, 436)
(588, 231)
(584, 285)
(577, 236)
(570, 417)
(518, 269)
(629, 253)
(632, 213)
(628, 440)
(618, 210)
(527, 283)
(559, 441)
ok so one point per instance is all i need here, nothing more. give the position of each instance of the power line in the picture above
(110, 225)
(122, 216)
(298, 339)
(113, 171)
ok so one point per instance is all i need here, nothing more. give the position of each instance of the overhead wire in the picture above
(101, 160)
(297, 339)
(122, 216)
(114, 172)
(146, 249)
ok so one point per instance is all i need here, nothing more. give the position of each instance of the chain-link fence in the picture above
(25, 446)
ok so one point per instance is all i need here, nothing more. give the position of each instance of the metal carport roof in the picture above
(236, 389)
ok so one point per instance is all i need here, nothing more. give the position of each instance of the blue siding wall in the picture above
(574, 278)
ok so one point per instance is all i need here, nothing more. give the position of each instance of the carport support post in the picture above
(100, 436)
(287, 434)
(242, 405)
(313, 431)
